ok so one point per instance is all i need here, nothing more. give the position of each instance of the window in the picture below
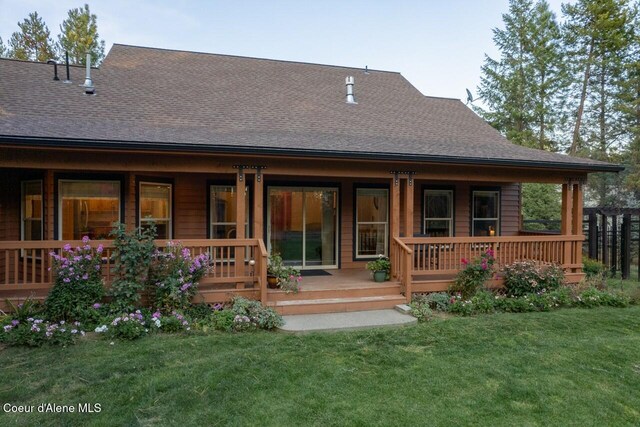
(372, 222)
(438, 213)
(223, 211)
(32, 210)
(155, 207)
(87, 208)
(486, 213)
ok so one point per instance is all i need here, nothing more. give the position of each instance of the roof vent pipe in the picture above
(55, 69)
(66, 55)
(350, 81)
(88, 83)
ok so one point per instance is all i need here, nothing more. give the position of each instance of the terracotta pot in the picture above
(272, 282)
(379, 276)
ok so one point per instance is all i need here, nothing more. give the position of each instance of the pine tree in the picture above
(33, 41)
(3, 49)
(79, 36)
(522, 89)
(599, 35)
(630, 106)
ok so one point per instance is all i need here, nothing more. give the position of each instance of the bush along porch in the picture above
(153, 290)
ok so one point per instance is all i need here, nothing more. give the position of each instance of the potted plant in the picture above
(380, 267)
(279, 275)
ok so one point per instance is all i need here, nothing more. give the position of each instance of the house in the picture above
(329, 166)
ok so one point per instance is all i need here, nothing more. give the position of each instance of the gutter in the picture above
(226, 149)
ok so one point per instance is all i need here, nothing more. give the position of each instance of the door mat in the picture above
(313, 273)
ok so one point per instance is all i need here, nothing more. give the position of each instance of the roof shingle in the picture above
(207, 101)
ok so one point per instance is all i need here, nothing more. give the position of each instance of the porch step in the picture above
(337, 305)
(311, 293)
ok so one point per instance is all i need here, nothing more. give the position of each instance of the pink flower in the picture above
(464, 261)
(85, 239)
(67, 247)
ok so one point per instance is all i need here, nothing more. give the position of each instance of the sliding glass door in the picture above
(303, 225)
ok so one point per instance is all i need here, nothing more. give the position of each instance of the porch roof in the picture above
(148, 98)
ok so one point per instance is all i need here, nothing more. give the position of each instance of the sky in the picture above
(439, 46)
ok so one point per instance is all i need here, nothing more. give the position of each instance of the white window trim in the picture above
(451, 206)
(149, 219)
(473, 210)
(385, 223)
(247, 210)
(61, 181)
(22, 202)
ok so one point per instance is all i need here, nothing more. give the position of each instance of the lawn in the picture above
(568, 367)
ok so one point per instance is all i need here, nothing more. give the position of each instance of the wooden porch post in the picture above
(566, 226)
(395, 220)
(258, 214)
(240, 224)
(577, 222)
(408, 207)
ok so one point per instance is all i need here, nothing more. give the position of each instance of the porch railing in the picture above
(238, 266)
(442, 256)
(402, 266)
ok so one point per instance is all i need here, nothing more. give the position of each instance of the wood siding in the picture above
(190, 193)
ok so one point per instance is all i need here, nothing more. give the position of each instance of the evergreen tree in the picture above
(33, 41)
(3, 49)
(79, 36)
(522, 89)
(599, 36)
(541, 201)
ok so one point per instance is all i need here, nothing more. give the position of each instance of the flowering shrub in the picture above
(133, 254)
(78, 281)
(526, 277)
(262, 317)
(37, 332)
(594, 298)
(176, 322)
(289, 278)
(128, 326)
(474, 275)
(175, 275)
(243, 323)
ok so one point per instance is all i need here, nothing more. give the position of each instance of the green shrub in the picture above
(461, 306)
(511, 304)
(223, 320)
(38, 332)
(421, 311)
(175, 322)
(263, 317)
(474, 275)
(592, 267)
(133, 254)
(438, 301)
(594, 298)
(528, 277)
(483, 302)
(128, 326)
(78, 281)
(22, 311)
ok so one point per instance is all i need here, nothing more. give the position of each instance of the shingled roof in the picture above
(176, 100)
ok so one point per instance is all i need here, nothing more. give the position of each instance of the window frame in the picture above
(364, 186)
(57, 223)
(22, 208)
(249, 207)
(450, 188)
(155, 181)
(472, 218)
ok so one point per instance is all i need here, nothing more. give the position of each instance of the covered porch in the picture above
(338, 216)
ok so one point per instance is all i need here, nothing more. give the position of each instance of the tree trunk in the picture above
(583, 96)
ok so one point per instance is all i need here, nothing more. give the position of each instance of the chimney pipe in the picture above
(66, 56)
(88, 83)
(350, 81)
(55, 69)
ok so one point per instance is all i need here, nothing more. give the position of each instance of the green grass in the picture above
(568, 367)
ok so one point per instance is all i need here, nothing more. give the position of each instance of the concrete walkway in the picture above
(346, 321)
